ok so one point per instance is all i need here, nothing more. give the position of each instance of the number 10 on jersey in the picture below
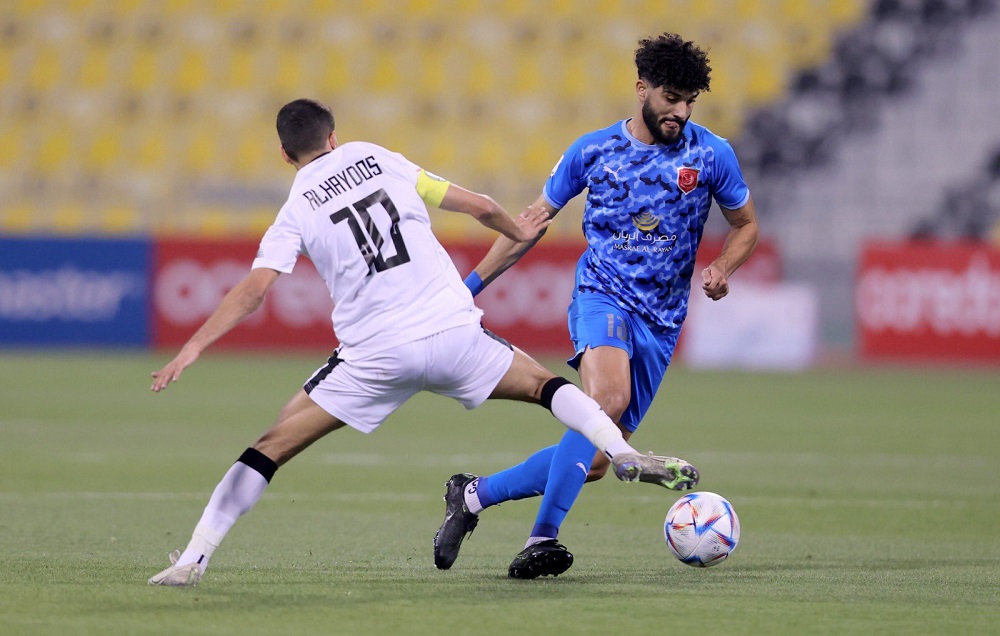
(372, 250)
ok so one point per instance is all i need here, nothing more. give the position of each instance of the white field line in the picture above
(654, 497)
(203, 496)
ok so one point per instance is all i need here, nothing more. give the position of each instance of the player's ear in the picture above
(641, 89)
(332, 140)
(284, 155)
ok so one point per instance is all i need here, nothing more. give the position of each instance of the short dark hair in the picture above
(303, 126)
(667, 60)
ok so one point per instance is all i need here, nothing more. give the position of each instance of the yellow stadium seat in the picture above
(252, 158)
(766, 82)
(55, 150)
(190, 73)
(260, 218)
(150, 146)
(104, 149)
(95, 69)
(120, 220)
(11, 144)
(844, 12)
(44, 69)
(533, 67)
(238, 69)
(69, 218)
(143, 70)
(19, 218)
(485, 93)
(7, 57)
(213, 223)
(202, 151)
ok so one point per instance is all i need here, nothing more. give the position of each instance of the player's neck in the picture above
(307, 159)
(637, 129)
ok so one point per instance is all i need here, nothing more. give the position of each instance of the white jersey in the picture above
(355, 212)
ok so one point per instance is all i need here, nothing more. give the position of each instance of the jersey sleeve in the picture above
(431, 187)
(730, 190)
(568, 178)
(281, 246)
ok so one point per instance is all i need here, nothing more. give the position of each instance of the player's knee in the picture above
(612, 402)
(273, 450)
(547, 389)
(277, 446)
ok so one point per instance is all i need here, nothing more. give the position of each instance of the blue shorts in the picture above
(596, 320)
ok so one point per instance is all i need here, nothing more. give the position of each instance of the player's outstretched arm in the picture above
(526, 227)
(240, 302)
(737, 248)
(504, 253)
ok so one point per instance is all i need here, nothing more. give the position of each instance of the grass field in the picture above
(869, 498)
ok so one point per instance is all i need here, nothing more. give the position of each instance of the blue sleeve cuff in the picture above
(474, 283)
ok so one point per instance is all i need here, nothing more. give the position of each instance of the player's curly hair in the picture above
(303, 126)
(668, 60)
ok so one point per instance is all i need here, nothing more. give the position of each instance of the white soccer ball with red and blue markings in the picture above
(701, 529)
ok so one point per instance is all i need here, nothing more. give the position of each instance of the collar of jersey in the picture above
(313, 160)
(680, 142)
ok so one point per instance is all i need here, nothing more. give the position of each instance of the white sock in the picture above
(581, 413)
(235, 495)
(472, 497)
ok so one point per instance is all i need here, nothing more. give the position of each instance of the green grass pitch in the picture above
(869, 498)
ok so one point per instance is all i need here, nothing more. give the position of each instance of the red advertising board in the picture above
(763, 266)
(526, 305)
(191, 277)
(929, 300)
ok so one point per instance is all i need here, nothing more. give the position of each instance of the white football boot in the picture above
(183, 576)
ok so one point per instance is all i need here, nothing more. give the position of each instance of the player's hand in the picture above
(714, 282)
(531, 223)
(172, 372)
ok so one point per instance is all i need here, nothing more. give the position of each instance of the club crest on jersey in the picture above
(646, 221)
(687, 179)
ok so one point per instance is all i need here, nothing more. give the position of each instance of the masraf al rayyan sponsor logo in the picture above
(644, 237)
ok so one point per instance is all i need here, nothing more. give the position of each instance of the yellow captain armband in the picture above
(431, 188)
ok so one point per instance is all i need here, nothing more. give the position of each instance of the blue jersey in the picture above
(645, 212)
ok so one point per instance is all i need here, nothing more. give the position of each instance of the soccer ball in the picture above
(701, 529)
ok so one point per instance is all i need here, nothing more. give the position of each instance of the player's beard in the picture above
(653, 125)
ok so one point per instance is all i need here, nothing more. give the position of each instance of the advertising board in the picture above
(929, 300)
(74, 292)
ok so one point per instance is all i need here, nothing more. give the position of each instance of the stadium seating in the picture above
(969, 210)
(162, 111)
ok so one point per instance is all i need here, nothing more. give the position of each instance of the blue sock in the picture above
(527, 479)
(567, 474)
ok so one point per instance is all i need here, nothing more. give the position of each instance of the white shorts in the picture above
(465, 363)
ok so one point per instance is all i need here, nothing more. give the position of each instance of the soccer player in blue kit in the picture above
(650, 183)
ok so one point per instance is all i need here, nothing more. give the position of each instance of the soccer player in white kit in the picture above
(405, 320)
